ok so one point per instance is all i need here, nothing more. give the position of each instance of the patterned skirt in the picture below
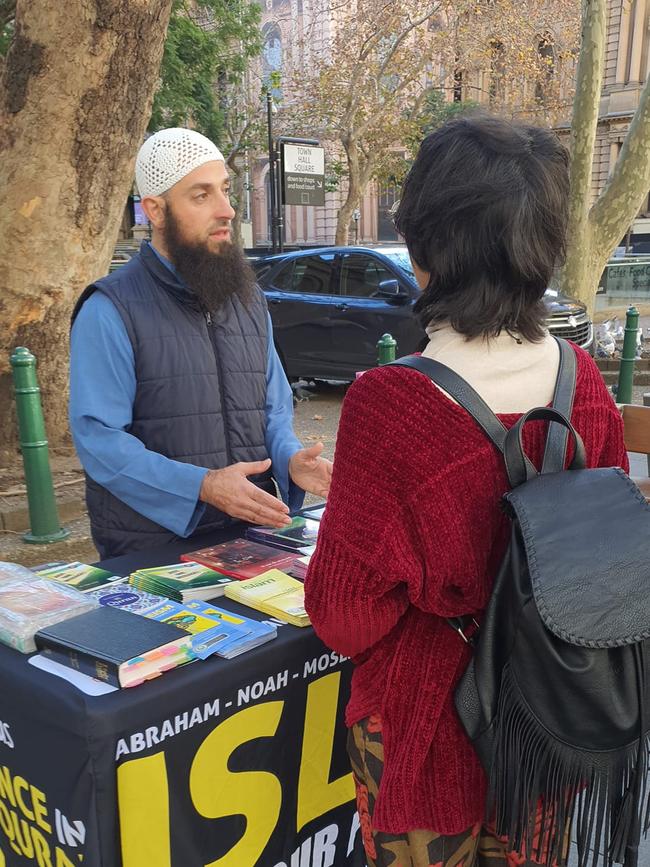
(478, 846)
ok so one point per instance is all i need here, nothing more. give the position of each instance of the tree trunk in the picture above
(577, 274)
(595, 230)
(75, 99)
(359, 173)
(238, 178)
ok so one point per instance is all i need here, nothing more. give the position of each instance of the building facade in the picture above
(296, 31)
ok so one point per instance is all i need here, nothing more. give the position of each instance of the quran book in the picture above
(115, 646)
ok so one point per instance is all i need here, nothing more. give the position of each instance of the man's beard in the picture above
(213, 277)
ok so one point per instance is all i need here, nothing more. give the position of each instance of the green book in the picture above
(77, 575)
(181, 581)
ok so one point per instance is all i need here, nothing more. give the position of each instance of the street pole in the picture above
(43, 516)
(272, 187)
(628, 356)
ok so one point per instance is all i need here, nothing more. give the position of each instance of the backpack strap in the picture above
(563, 397)
(463, 393)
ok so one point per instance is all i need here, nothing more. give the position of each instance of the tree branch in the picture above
(7, 12)
(402, 36)
(619, 202)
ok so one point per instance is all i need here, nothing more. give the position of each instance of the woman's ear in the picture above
(421, 276)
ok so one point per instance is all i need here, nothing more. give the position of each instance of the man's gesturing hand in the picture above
(310, 471)
(230, 491)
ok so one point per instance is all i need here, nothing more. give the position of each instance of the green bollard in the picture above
(43, 517)
(626, 370)
(386, 347)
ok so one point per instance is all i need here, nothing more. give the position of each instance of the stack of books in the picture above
(274, 593)
(242, 558)
(299, 567)
(300, 535)
(115, 646)
(78, 575)
(212, 630)
(181, 581)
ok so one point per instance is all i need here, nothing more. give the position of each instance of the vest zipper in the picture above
(217, 358)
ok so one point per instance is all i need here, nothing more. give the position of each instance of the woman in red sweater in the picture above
(413, 532)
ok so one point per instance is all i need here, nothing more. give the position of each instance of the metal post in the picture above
(43, 517)
(628, 356)
(280, 200)
(272, 187)
(646, 402)
(386, 347)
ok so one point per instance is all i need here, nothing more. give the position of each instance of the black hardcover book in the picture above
(115, 646)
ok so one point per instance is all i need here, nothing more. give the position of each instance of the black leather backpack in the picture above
(556, 697)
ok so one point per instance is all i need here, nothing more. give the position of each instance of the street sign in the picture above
(303, 174)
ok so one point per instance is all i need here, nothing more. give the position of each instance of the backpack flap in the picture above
(587, 542)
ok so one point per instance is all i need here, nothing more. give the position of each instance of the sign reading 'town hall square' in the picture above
(303, 173)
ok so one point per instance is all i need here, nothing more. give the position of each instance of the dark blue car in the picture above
(330, 307)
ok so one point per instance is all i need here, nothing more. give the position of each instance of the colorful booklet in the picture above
(78, 575)
(213, 630)
(257, 632)
(274, 593)
(115, 646)
(181, 581)
(127, 598)
(299, 535)
(241, 558)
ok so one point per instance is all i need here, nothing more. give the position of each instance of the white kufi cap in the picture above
(170, 154)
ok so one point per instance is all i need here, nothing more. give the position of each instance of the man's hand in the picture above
(230, 491)
(310, 471)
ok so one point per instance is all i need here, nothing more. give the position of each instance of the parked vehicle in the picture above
(331, 305)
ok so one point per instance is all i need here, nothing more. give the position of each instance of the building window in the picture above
(546, 55)
(496, 90)
(272, 57)
(385, 227)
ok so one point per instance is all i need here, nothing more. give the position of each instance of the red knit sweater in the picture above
(413, 533)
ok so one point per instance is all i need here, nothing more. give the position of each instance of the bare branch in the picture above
(413, 25)
(7, 12)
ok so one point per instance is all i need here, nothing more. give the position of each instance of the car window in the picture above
(261, 269)
(362, 274)
(282, 280)
(311, 275)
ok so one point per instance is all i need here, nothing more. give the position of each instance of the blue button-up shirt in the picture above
(102, 392)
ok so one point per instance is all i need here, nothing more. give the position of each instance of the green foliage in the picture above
(7, 16)
(6, 35)
(208, 46)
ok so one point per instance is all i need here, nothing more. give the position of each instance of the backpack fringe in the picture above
(539, 787)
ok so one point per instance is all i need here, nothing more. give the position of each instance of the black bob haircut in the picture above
(484, 211)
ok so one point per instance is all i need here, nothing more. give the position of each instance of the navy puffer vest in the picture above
(200, 395)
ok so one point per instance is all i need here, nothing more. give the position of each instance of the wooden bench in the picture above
(636, 433)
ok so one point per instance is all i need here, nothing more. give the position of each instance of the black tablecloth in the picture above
(232, 763)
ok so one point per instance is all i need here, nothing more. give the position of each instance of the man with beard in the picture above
(179, 408)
